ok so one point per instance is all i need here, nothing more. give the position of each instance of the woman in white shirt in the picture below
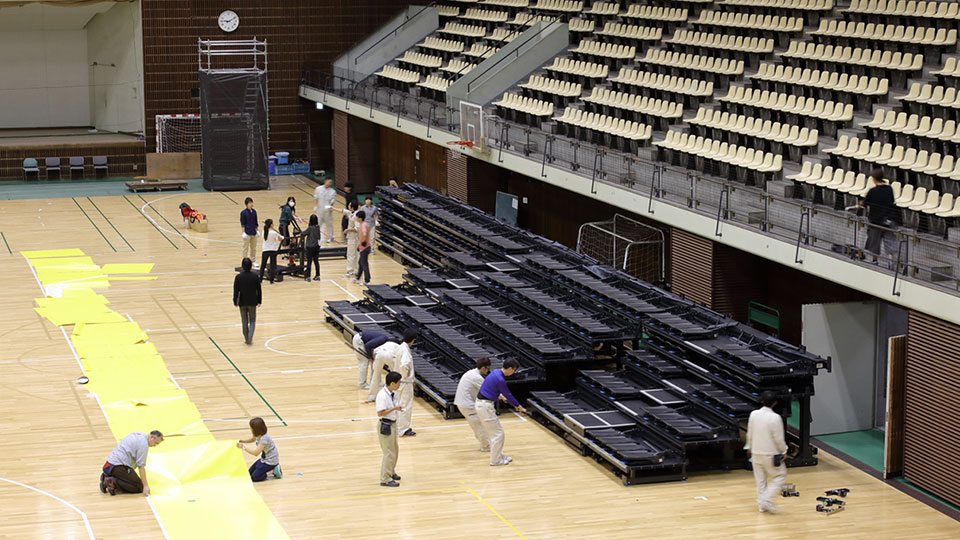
(271, 242)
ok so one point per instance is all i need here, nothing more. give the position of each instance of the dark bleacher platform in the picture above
(685, 377)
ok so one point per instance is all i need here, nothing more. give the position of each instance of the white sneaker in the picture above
(484, 449)
(501, 463)
(365, 386)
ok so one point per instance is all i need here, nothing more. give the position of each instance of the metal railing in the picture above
(708, 188)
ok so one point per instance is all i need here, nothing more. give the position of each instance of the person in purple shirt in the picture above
(495, 387)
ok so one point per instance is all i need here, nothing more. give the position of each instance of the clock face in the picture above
(228, 21)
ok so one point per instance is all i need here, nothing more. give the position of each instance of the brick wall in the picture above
(299, 33)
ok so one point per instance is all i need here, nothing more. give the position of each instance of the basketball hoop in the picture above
(468, 144)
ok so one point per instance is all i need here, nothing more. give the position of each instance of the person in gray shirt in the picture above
(372, 216)
(265, 448)
(118, 473)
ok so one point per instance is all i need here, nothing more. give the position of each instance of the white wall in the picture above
(116, 94)
(43, 78)
(847, 332)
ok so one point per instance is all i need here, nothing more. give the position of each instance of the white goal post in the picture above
(625, 244)
(179, 133)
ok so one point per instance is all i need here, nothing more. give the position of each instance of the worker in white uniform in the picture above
(466, 400)
(351, 233)
(387, 409)
(365, 343)
(384, 361)
(324, 197)
(404, 366)
(767, 448)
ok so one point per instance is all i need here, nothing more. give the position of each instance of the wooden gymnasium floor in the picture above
(55, 437)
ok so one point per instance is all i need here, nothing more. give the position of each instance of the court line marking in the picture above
(153, 509)
(36, 360)
(327, 421)
(494, 510)
(5, 242)
(228, 198)
(344, 290)
(74, 199)
(371, 496)
(281, 371)
(73, 388)
(110, 223)
(151, 222)
(178, 233)
(86, 522)
(370, 431)
(267, 343)
(248, 381)
(235, 325)
(197, 353)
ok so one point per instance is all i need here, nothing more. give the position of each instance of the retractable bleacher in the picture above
(642, 380)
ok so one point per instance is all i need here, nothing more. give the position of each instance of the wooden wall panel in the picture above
(123, 159)
(363, 154)
(931, 451)
(691, 268)
(896, 385)
(298, 32)
(341, 147)
(457, 174)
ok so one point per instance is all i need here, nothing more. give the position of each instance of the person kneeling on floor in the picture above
(118, 473)
(267, 450)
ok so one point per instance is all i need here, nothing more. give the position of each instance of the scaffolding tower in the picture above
(234, 114)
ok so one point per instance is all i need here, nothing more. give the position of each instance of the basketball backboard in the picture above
(471, 124)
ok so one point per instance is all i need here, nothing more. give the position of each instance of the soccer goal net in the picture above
(179, 133)
(625, 244)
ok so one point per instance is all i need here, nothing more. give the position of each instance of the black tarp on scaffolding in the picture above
(233, 116)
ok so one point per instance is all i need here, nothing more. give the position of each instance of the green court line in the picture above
(150, 222)
(110, 223)
(248, 381)
(168, 221)
(228, 197)
(6, 243)
(310, 193)
(74, 199)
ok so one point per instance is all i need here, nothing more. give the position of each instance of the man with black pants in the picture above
(118, 473)
(363, 246)
(350, 197)
(881, 216)
(387, 428)
(247, 296)
(494, 387)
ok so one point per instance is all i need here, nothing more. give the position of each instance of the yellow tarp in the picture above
(200, 486)
(51, 253)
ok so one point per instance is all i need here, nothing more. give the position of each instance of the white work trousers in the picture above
(477, 426)
(378, 373)
(769, 480)
(491, 426)
(326, 226)
(405, 400)
(353, 256)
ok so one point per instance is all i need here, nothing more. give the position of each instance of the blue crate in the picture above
(284, 169)
(283, 158)
(301, 168)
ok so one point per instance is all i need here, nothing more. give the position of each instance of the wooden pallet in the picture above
(156, 185)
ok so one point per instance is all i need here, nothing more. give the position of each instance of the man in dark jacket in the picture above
(882, 217)
(350, 196)
(247, 296)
